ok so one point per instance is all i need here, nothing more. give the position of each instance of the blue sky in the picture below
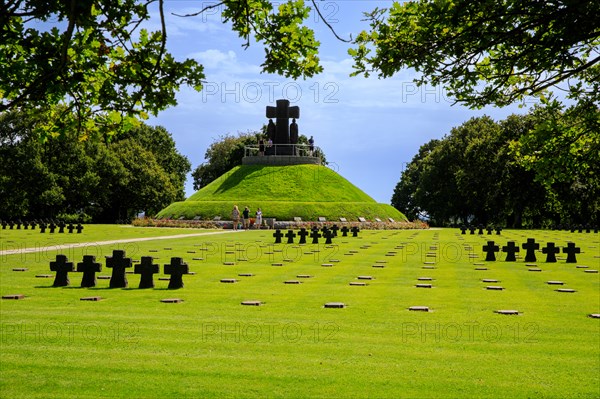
(369, 128)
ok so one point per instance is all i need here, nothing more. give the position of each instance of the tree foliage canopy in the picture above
(485, 52)
(95, 59)
(138, 171)
(475, 175)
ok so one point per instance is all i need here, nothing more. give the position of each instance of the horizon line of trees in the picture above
(483, 172)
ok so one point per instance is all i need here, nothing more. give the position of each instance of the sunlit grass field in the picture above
(130, 344)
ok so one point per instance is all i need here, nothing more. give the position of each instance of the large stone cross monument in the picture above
(281, 136)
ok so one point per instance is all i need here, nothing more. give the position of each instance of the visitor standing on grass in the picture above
(235, 216)
(246, 220)
(258, 222)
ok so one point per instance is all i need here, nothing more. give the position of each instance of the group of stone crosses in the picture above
(50, 225)
(119, 264)
(326, 232)
(511, 249)
(573, 228)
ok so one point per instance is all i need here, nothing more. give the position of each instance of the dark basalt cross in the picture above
(530, 246)
(79, 227)
(355, 231)
(328, 234)
(290, 236)
(282, 113)
(472, 229)
(89, 267)
(498, 230)
(278, 234)
(176, 269)
(480, 229)
(146, 268)
(344, 231)
(550, 250)
(315, 235)
(335, 229)
(490, 249)
(52, 227)
(302, 234)
(489, 230)
(463, 229)
(571, 250)
(511, 248)
(70, 228)
(118, 263)
(62, 267)
(61, 227)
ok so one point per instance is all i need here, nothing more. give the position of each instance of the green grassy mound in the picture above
(282, 192)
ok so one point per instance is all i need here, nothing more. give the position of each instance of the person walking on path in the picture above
(235, 216)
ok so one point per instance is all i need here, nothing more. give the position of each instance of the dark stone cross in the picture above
(4, 224)
(489, 230)
(118, 263)
(176, 269)
(480, 228)
(52, 227)
(498, 230)
(315, 236)
(530, 246)
(490, 249)
(290, 236)
(26, 225)
(61, 227)
(511, 248)
(62, 267)
(344, 231)
(89, 267)
(146, 268)
(282, 113)
(70, 227)
(302, 234)
(472, 229)
(42, 227)
(571, 250)
(18, 224)
(335, 229)
(33, 224)
(278, 234)
(328, 234)
(79, 227)
(11, 224)
(463, 229)
(550, 250)
(355, 231)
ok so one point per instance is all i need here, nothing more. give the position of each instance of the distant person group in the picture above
(244, 216)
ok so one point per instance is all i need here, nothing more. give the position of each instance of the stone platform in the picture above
(280, 160)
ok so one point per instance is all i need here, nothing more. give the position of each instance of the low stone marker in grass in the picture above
(252, 303)
(334, 305)
(13, 296)
(507, 312)
(419, 308)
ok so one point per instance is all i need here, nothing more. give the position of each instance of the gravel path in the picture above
(83, 244)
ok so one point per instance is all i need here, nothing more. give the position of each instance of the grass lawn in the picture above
(131, 345)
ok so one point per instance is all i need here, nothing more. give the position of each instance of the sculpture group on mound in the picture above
(282, 137)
